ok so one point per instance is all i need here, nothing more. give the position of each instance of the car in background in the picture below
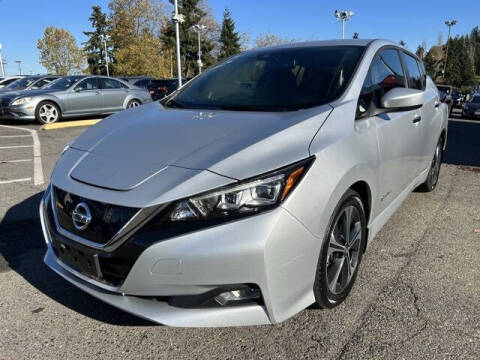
(160, 88)
(448, 90)
(138, 81)
(8, 80)
(72, 96)
(457, 98)
(29, 83)
(471, 109)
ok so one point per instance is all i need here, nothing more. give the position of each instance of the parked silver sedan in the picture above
(72, 96)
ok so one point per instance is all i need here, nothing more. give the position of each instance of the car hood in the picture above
(8, 90)
(125, 149)
(21, 93)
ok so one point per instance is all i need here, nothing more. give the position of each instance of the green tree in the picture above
(94, 47)
(475, 39)
(59, 52)
(229, 38)
(194, 13)
(459, 70)
(135, 30)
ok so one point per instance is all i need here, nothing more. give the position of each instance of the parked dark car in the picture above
(8, 80)
(448, 90)
(138, 81)
(158, 89)
(29, 83)
(471, 109)
(457, 98)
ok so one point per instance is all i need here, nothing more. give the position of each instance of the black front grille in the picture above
(106, 219)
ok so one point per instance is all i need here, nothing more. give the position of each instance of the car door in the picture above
(396, 133)
(431, 119)
(113, 94)
(85, 98)
(416, 79)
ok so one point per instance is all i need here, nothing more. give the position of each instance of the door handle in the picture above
(416, 119)
(437, 103)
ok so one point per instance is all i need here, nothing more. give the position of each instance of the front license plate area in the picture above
(77, 259)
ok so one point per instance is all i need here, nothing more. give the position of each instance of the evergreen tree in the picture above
(459, 69)
(94, 47)
(431, 65)
(229, 39)
(193, 14)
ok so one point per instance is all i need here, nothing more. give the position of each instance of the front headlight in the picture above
(245, 198)
(22, 101)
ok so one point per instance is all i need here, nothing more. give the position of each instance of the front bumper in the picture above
(272, 250)
(23, 112)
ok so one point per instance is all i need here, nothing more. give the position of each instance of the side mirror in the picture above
(402, 99)
(77, 89)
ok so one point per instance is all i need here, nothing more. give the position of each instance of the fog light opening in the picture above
(238, 295)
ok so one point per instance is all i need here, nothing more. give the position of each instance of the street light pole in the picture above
(177, 19)
(104, 39)
(1, 62)
(198, 29)
(449, 23)
(343, 16)
(19, 66)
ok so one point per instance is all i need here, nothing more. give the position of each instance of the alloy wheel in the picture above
(48, 113)
(344, 249)
(133, 104)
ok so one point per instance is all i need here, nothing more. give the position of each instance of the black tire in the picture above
(51, 117)
(433, 174)
(324, 295)
(133, 103)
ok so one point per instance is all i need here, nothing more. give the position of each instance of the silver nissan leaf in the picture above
(252, 192)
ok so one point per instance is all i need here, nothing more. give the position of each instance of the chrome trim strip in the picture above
(140, 218)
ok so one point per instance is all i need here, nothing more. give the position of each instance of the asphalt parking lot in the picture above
(417, 295)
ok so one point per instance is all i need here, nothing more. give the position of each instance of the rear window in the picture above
(281, 79)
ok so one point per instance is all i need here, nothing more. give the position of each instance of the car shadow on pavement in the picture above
(463, 143)
(22, 249)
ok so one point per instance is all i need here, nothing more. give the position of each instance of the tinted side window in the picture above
(88, 84)
(415, 79)
(110, 83)
(385, 74)
(40, 83)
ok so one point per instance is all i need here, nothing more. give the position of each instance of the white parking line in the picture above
(14, 161)
(14, 180)
(38, 178)
(13, 136)
(15, 147)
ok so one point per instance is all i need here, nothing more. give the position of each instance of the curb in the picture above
(68, 124)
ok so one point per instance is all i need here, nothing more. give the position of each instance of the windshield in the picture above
(281, 79)
(22, 83)
(475, 100)
(63, 83)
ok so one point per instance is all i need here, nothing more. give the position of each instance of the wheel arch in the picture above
(129, 98)
(52, 100)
